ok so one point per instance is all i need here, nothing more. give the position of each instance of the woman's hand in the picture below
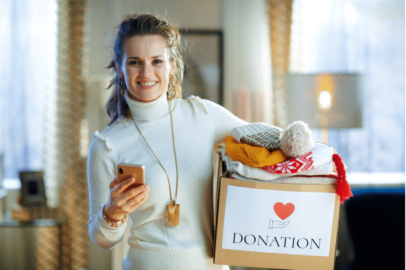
(122, 201)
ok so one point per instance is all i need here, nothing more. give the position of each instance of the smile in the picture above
(147, 83)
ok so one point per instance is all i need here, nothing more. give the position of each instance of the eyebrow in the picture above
(136, 57)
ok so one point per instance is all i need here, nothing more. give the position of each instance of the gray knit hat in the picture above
(258, 134)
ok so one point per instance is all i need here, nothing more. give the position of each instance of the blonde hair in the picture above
(144, 24)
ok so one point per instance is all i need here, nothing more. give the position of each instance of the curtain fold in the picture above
(65, 169)
(280, 20)
(247, 67)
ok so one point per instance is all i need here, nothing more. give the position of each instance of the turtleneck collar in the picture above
(146, 111)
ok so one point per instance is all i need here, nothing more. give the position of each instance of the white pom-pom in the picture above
(296, 140)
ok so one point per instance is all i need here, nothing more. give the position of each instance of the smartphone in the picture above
(125, 171)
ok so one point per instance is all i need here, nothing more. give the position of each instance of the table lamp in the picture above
(325, 100)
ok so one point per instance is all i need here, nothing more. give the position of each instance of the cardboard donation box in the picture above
(270, 225)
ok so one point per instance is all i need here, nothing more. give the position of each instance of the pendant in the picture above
(173, 214)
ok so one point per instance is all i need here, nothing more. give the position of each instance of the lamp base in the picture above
(324, 135)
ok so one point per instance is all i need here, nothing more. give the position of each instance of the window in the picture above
(366, 37)
(28, 56)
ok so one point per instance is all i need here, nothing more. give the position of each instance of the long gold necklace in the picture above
(173, 208)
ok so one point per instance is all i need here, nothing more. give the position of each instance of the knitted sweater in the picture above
(254, 156)
(198, 126)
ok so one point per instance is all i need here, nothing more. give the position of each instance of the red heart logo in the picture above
(283, 210)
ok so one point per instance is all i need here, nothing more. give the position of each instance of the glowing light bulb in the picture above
(325, 100)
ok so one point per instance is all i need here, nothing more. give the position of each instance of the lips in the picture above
(147, 84)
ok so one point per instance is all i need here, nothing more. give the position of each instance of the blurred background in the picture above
(338, 65)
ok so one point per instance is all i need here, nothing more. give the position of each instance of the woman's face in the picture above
(146, 67)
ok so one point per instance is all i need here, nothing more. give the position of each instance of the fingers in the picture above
(123, 185)
(135, 205)
(132, 197)
(134, 192)
(113, 183)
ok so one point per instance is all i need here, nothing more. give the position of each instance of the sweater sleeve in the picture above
(100, 172)
(222, 119)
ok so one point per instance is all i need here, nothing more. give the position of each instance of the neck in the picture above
(145, 111)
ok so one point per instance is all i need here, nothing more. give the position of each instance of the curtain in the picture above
(27, 74)
(366, 37)
(247, 67)
(27, 54)
(65, 167)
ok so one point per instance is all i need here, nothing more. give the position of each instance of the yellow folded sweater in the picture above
(252, 155)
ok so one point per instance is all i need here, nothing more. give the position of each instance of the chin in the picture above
(145, 98)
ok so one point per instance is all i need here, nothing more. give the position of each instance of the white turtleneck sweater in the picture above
(198, 126)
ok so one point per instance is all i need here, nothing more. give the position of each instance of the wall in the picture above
(106, 15)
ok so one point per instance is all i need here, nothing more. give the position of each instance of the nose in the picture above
(146, 70)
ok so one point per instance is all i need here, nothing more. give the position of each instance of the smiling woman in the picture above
(146, 67)
(172, 138)
(147, 52)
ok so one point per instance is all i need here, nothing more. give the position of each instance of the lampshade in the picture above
(325, 100)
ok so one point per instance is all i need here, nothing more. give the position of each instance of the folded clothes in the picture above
(320, 154)
(297, 179)
(295, 141)
(260, 174)
(252, 155)
(258, 134)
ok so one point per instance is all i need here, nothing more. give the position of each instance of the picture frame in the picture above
(32, 189)
(203, 58)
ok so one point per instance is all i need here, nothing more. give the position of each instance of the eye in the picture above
(134, 62)
(158, 61)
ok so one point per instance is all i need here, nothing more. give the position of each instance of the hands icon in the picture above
(278, 224)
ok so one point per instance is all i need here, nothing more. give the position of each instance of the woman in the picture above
(173, 138)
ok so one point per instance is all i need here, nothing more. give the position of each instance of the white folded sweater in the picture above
(198, 126)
